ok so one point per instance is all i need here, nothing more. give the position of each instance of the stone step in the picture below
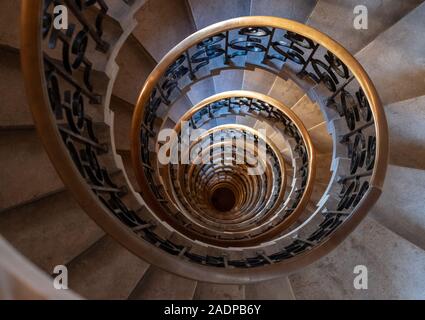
(180, 107)
(401, 205)
(336, 19)
(22, 280)
(51, 231)
(210, 291)
(321, 138)
(246, 121)
(14, 109)
(279, 141)
(318, 192)
(162, 24)
(395, 59)
(269, 130)
(135, 66)
(323, 167)
(201, 90)
(395, 268)
(286, 91)
(309, 112)
(407, 134)
(275, 289)
(258, 80)
(228, 80)
(289, 9)
(123, 113)
(120, 11)
(128, 164)
(106, 271)
(10, 12)
(226, 120)
(157, 284)
(206, 12)
(26, 172)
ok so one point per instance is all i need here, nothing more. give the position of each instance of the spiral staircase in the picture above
(332, 117)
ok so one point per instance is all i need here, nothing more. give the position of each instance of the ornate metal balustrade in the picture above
(60, 78)
(67, 94)
(245, 103)
(191, 178)
(343, 90)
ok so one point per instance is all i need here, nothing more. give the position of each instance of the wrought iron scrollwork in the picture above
(277, 49)
(70, 98)
(72, 95)
(208, 49)
(250, 41)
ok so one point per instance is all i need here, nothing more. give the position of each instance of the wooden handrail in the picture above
(280, 227)
(33, 67)
(343, 58)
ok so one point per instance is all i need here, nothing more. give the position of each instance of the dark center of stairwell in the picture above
(223, 199)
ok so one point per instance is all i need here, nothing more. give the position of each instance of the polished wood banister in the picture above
(304, 133)
(343, 56)
(275, 22)
(38, 98)
(239, 128)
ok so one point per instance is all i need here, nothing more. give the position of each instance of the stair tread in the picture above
(395, 268)
(321, 138)
(397, 53)
(14, 110)
(106, 271)
(179, 108)
(258, 80)
(122, 125)
(126, 157)
(9, 23)
(323, 167)
(201, 90)
(21, 280)
(289, 9)
(317, 193)
(286, 91)
(335, 18)
(206, 12)
(406, 132)
(275, 289)
(135, 66)
(119, 12)
(171, 20)
(211, 291)
(51, 231)
(26, 171)
(309, 112)
(401, 205)
(228, 80)
(159, 284)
